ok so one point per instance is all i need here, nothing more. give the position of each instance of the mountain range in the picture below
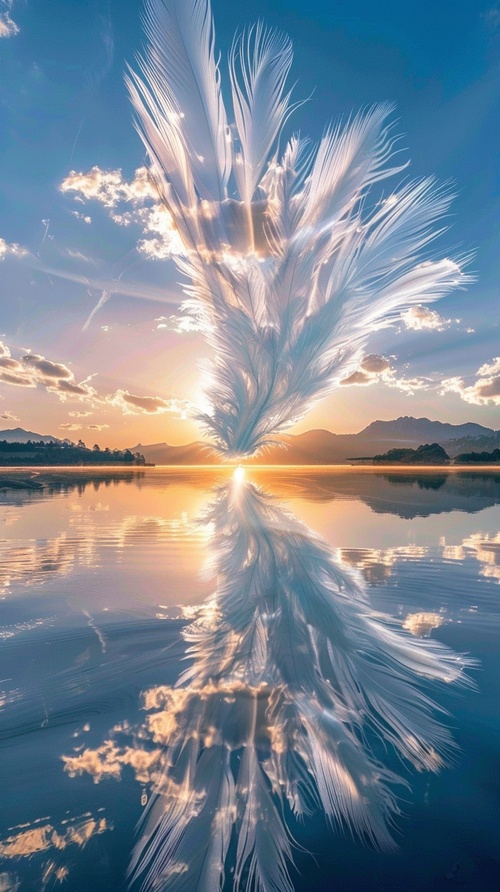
(319, 447)
(322, 447)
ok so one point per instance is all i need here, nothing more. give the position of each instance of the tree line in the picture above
(53, 453)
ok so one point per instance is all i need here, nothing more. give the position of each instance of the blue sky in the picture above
(132, 372)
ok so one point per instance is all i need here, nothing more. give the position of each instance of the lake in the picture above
(285, 676)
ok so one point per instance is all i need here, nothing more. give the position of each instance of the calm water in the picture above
(313, 617)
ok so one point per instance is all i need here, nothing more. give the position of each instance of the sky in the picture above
(93, 342)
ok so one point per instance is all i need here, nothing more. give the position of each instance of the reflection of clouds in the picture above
(376, 564)
(422, 623)
(17, 628)
(8, 697)
(31, 562)
(41, 836)
(107, 762)
(292, 675)
(484, 547)
(52, 873)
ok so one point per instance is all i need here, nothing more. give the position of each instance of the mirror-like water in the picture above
(292, 678)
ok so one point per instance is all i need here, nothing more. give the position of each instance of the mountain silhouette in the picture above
(19, 435)
(322, 447)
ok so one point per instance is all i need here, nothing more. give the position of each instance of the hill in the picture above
(19, 435)
(428, 454)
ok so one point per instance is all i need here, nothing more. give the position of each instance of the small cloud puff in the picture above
(484, 390)
(422, 318)
(179, 324)
(8, 416)
(13, 249)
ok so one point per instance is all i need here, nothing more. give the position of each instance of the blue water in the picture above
(101, 573)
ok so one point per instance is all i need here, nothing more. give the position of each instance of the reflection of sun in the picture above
(239, 474)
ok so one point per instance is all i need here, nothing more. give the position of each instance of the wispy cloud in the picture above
(75, 426)
(481, 392)
(7, 415)
(491, 17)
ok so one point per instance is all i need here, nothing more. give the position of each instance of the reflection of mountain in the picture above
(295, 692)
(405, 494)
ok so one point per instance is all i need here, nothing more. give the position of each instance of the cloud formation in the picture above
(377, 369)
(422, 318)
(12, 249)
(8, 27)
(481, 392)
(132, 404)
(75, 426)
(33, 369)
(8, 416)
(128, 202)
(179, 324)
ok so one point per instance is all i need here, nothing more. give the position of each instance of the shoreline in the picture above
(36, 469)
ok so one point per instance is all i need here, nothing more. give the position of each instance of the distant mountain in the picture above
(408, 428)
(322, 447)
(19, 435)
(190, 454)
(474, 444)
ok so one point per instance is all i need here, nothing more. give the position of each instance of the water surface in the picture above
(108, 577)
